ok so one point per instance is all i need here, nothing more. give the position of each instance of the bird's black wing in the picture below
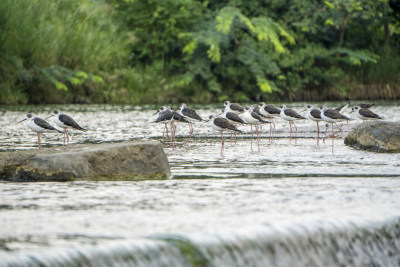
(234, 117)
(164, 116)
(316, 113)
(225, 124)
(67, 120)
(369, 114)
(179, 118)
(191, 113)
(292, 113)
(237, 107)
(366, 105)
(44, 124)
(334, 114)
(271, 109)
(258, 117)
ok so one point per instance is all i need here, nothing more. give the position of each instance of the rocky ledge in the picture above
(377, 136)
(110, 161)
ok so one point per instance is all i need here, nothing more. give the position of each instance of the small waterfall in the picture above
(302, 245)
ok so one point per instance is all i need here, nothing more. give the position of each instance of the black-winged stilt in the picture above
(255, 119)
(332, 116)
(271, 112)
(366, 105)
(365, 114)
(39, 126)
(165, 116)
(233, 107)
(190, 115)
(64, 121)
(315, 115)
(290, 115)
(232, 118)
(221, 125)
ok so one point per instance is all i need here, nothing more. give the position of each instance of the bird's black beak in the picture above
(303, 110)
(49, 116)
(156, 112)
(22, 120)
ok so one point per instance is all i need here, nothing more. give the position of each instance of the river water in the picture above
(280, 204)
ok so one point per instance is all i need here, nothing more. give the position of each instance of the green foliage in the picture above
(50, 46)
(136, 51)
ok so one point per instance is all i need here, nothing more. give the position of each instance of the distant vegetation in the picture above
(137, 51)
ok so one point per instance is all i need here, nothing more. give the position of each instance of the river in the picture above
(278, 205)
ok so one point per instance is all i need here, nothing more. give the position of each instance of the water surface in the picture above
(279, 205)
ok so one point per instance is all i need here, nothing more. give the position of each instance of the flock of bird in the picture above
(234, 114)
(231, 116)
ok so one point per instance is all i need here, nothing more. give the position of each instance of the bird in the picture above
(270, 111)
(233, 107)
(221, 125)
(190, 115)
(366, 105)
(232, 118)
(332, 116)
(179, 119)
(64, 121)
(39, 126)
(365, 114)
(290, 115)
(165, 116)
(253, 118)
(343, 107)
(315, 115)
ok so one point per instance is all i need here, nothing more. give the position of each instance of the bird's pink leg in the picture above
(222, 144)
(39, 143)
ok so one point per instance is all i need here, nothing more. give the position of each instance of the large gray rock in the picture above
(111, 161)
(377, 136)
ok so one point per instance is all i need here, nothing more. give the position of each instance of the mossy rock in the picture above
(379, 136)
(138, 160)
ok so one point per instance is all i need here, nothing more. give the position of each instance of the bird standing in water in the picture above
(39, 126)
(221, 125)
(190, 115)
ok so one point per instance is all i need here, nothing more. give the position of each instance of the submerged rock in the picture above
(377, 136)
(111, 161)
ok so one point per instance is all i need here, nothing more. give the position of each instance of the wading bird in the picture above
(365, 114)
(221, 125)
(290, 115)
(190, 115)
(39, 126)
(271, 112)
(315, 115)
(64, 121)
(255, 119)
(332, 116)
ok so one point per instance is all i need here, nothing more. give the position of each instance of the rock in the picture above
(109, 161)
(377, 136)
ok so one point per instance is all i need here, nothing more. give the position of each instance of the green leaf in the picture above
(329, 4)
(190, 47)
(96, 79)
(329, 22)
(81, 74)
(264, 85)
(213, 52)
